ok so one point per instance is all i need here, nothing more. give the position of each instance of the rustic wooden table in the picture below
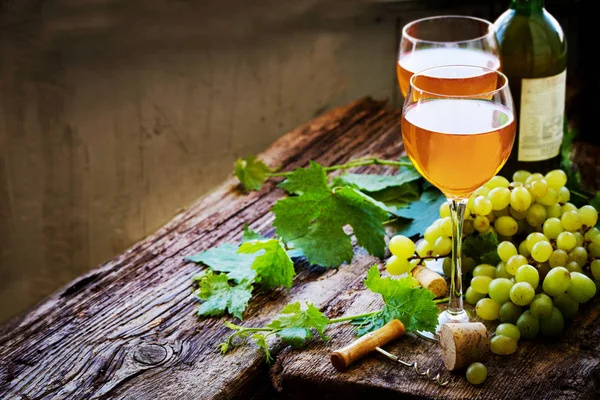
(128, 329)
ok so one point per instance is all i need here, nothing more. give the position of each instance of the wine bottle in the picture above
(533, 54)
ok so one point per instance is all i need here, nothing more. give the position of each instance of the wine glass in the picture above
(458, 128)
(445, 40)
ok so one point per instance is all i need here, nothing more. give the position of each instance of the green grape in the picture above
(446, 226)
(594, 249)
(506, 226)
(553, 325)
(514, 184)
(491, 230)
(559, 258)
(528, 325)
(509, 330)
(482, 205)
(401, 246)
(552, 228)
(529, 274)
(591, 233)
(554, 211)
(468, 227)
(481, 224)
(481, 283)
(503, 212)
(503, 345)
(481, 191)
(571, 221)
(509, 312)
(485, 270)
(424, 248)
(543, 269)
(506, 250)
(572, 266)
(541, 306)
(567, 207)
(520, 199)
(518, 215)
(550, 198)
(567, 306)
(491, 217)
(541, 251)
(522, 293)
(467, 264)
(397, 266)
(582, 288)
(566, 241)
(521, 175)
(514, 263)
(589, 215)
(447, 266)
(432, 232)
(442, 246)
(534, 177)
(499, 290)
(444, 210)
(472, 297)
(523, 250)
(476, 373)
(564, 195)
(579, 255)
(557, 281)
(501, 271)
(534, 238)
(497, 181)
(487, 309)
(536, 215)
(538, 188)
(578, 238)
(500, 198)
(556, 178)
(595, 268)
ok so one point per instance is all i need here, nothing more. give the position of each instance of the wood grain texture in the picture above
(127, 330)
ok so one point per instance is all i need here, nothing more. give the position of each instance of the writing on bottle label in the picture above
(541, 117)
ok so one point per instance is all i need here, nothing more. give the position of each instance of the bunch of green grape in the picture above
(549, 251)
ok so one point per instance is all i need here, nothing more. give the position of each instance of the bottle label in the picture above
(541, 118)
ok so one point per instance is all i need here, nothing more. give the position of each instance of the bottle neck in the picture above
(527, 6)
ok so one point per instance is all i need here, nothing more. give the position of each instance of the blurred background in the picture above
(116, 114)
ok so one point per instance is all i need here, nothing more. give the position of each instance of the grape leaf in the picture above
(219, 296)
(251, 172)
(412, 305)
(420, 214)
(225, 258)
(250, 234)
(295, 325)
(374, 183)
(395, 198)
(483, 248)
(304, 180)
(314, 220)
(273, 267)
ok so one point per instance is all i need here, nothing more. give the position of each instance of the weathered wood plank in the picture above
(128, 329)
(542, 369)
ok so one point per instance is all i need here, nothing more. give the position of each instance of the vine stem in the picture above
(351, 164)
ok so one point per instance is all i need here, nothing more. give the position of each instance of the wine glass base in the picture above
(443, 318)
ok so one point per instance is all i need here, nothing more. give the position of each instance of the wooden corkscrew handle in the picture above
(342, 358)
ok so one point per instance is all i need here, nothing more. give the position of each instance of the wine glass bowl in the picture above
(458, 140)
(445, 40)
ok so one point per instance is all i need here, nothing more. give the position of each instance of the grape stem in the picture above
(351, 164)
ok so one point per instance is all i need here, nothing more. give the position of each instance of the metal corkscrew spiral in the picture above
(415, 365)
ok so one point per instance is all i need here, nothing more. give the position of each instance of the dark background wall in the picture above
(115, 114)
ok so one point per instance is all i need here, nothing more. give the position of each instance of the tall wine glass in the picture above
(445, 40)
(458, 128)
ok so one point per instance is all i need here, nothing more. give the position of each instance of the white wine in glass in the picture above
(458, 142)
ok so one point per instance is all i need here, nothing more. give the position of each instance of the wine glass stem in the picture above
(457, 213)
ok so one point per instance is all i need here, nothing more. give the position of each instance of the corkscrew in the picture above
(342, 358)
